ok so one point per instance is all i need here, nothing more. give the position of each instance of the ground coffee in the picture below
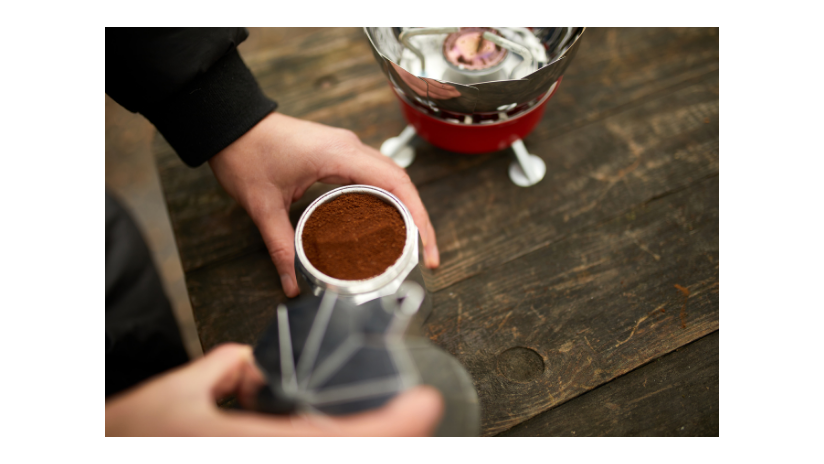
(355, 236)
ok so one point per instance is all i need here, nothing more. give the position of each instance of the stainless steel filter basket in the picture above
(406, 268)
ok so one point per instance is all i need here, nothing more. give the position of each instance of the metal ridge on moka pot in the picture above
(406, 268)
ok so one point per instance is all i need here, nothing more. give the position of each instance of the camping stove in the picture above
(473, 89)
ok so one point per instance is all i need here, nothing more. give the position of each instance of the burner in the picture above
(469, 50)
(474, 89)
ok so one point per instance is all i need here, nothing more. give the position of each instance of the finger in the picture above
(414, 413)
(431, 255)
(222, 370)
(279, 238)
(380, 171)
(252, 381)
(405, 190)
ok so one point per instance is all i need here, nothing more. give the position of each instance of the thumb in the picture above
(279, 237)
(387, 175)
(227, 369)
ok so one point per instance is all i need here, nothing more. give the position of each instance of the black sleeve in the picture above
(190, 83)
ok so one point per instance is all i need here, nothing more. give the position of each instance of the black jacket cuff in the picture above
(212, 111)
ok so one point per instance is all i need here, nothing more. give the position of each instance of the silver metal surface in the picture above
(287, 363)
(527, 169)
(526, 55)
(445, 88)
(432, 47)
(462, 409)
(405, 35)
(360, 291)
(398, 148)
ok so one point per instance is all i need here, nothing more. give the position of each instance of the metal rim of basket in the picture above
(354, 287)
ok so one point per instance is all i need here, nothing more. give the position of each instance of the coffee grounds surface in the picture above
(353, 237)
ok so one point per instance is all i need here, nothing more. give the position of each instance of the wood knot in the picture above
(326, 82)
(520, 364)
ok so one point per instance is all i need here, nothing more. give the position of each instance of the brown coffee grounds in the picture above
(353, 237)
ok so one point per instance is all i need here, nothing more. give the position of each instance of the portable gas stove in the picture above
(474, 89)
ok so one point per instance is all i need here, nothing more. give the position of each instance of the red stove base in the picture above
(476, 138)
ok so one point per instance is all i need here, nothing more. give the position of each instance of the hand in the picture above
(182, 403)
(274, 163)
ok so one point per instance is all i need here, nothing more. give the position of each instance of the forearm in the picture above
(190, 83)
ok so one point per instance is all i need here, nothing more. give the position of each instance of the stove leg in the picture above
(398, 148)
(529, 169)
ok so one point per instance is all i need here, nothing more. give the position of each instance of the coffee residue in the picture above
(353, 237)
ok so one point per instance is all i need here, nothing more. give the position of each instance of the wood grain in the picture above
(598, 170)
(673, 396)
(616, 70)
(544, 293)
(593, 306)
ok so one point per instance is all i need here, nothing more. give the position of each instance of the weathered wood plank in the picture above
(544, 293)
(543, 329)
(235, 301)
(582, 311)
(613, 69)
(483, 220)
(675, 395)
(617, 68)
(476, 221)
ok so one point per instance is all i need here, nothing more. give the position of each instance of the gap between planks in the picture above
(601, 385)
(588, 120)
(584, 229)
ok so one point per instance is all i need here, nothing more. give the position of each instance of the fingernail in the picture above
(290, 288)
(433, 259)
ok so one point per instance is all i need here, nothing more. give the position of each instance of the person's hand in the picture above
(182, 402)
(274, 163)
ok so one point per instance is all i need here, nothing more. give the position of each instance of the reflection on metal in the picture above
(443, 87)
(512, 46)
(305, 387)
(287, 364)
(405, 35)
(356, 358)
(310, 351)
(472, 58)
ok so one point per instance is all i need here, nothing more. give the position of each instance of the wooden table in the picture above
(584, 305)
